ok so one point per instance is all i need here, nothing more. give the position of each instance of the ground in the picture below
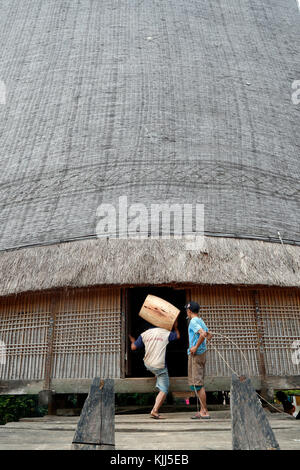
(139, 432)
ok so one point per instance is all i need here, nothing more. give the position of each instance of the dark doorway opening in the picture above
(176, 355)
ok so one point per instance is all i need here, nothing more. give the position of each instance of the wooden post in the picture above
(50, 394)
(250, 426)
(261, 347)
(96, 426)
(47, 398)
(124, 334)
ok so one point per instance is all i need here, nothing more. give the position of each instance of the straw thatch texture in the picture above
(160, 100)
(114, 262)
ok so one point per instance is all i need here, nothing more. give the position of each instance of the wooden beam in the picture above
(21, 387)
(146, 384)
(140, 385)
(96, 426)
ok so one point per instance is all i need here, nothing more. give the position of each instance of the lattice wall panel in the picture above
(280, 313)
(86, 334)
(24, 323)
(87, 340)
(231, 313)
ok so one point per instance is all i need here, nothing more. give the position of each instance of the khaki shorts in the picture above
(196, 369)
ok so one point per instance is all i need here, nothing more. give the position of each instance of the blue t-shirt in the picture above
(195, 324)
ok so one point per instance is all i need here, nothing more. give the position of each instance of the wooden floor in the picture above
(139, 432)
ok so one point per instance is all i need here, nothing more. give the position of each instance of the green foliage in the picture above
(288, 392)
(14, 407)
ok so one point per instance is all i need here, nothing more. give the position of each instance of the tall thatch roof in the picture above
(121, 262)
(162, 101)
(157, 100)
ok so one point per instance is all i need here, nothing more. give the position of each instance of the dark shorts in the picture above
(196, 369)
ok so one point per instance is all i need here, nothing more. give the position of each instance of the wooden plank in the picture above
(21, 387)
(250, 427)
(96, 426)
(141, 385)
(284, 382)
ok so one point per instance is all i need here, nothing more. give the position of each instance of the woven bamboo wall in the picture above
(260, 329)
(24, 323)
(78, 333)
(86, 338)
(280, 313)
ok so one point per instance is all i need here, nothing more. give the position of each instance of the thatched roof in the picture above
(128, 262)
(162, 101)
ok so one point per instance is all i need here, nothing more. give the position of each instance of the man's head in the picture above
(192, 309)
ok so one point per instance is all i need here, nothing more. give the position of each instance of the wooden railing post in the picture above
(250, 426)
(96, 426)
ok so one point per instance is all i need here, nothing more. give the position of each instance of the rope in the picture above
(197, 396)
(229, 339)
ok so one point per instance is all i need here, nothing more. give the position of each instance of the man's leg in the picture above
(197, 372)
(160, 398)
(162, 384)
(202, 398)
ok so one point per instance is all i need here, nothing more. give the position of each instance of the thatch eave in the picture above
(134, 262)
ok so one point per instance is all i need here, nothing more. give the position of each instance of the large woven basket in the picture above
(159, 312)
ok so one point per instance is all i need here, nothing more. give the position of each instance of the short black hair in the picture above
(193, 306)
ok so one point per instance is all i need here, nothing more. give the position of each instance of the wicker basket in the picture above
(159, 312)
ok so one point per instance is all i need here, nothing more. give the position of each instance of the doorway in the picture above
(176, 355)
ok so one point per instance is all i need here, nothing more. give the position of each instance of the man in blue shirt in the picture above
(198, 336)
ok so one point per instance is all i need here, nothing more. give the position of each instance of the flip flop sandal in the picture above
(156, 417)
(200, 417)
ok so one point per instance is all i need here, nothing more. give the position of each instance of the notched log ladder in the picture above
(96, 426)
(250, 426)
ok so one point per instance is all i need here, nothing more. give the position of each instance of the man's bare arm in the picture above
(203, 335)
(132, 340)
(209, 335)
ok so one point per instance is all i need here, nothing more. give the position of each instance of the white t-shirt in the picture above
(156, 341)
